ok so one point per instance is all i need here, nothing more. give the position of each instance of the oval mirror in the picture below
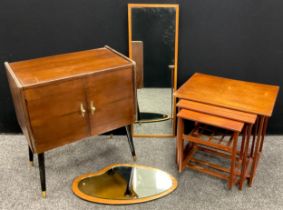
(124, 184)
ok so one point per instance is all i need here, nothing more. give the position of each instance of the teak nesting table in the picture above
(239, 96)
(63, 98)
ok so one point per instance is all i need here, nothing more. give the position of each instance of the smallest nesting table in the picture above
(246, 97)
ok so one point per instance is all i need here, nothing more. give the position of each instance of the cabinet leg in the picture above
(130, 140)
(30, 156)
(42, 174)
(138, 111)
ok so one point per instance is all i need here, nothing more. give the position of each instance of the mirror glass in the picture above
(123, 183)
(152, 45)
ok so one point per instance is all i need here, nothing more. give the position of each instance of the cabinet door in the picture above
(111, 94)
(55, 112)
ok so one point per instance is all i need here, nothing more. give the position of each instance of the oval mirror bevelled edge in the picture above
(119, 184)
(153, 30)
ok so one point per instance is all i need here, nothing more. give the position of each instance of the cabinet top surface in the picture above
(229, 93)
(46, 69)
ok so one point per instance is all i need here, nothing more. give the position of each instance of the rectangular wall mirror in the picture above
(153, 45)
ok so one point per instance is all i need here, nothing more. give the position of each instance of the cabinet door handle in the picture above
(83, 111)
(92, 107)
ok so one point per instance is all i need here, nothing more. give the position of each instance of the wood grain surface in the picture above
(56, 67)
(232, 94)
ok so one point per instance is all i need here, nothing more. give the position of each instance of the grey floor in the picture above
(20, 188)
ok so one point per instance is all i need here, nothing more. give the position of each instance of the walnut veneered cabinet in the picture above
(64, 98)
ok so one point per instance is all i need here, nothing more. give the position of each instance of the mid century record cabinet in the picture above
(64, 98)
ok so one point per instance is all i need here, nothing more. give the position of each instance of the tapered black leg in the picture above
(130, 140)
(138, 111)
(42, 174)
(30, 156)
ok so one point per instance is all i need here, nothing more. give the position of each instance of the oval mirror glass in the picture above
(124, 184)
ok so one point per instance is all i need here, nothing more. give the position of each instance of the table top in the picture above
(229, 93)
(56, 67)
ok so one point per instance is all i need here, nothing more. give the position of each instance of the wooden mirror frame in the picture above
(86, 197)
(176, 7)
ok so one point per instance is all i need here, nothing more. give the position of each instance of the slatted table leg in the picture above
(244, 135)
(254, 137)
(248, 132)
(233, 160)
(264, 132)
(256, 150)
(180, 143)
